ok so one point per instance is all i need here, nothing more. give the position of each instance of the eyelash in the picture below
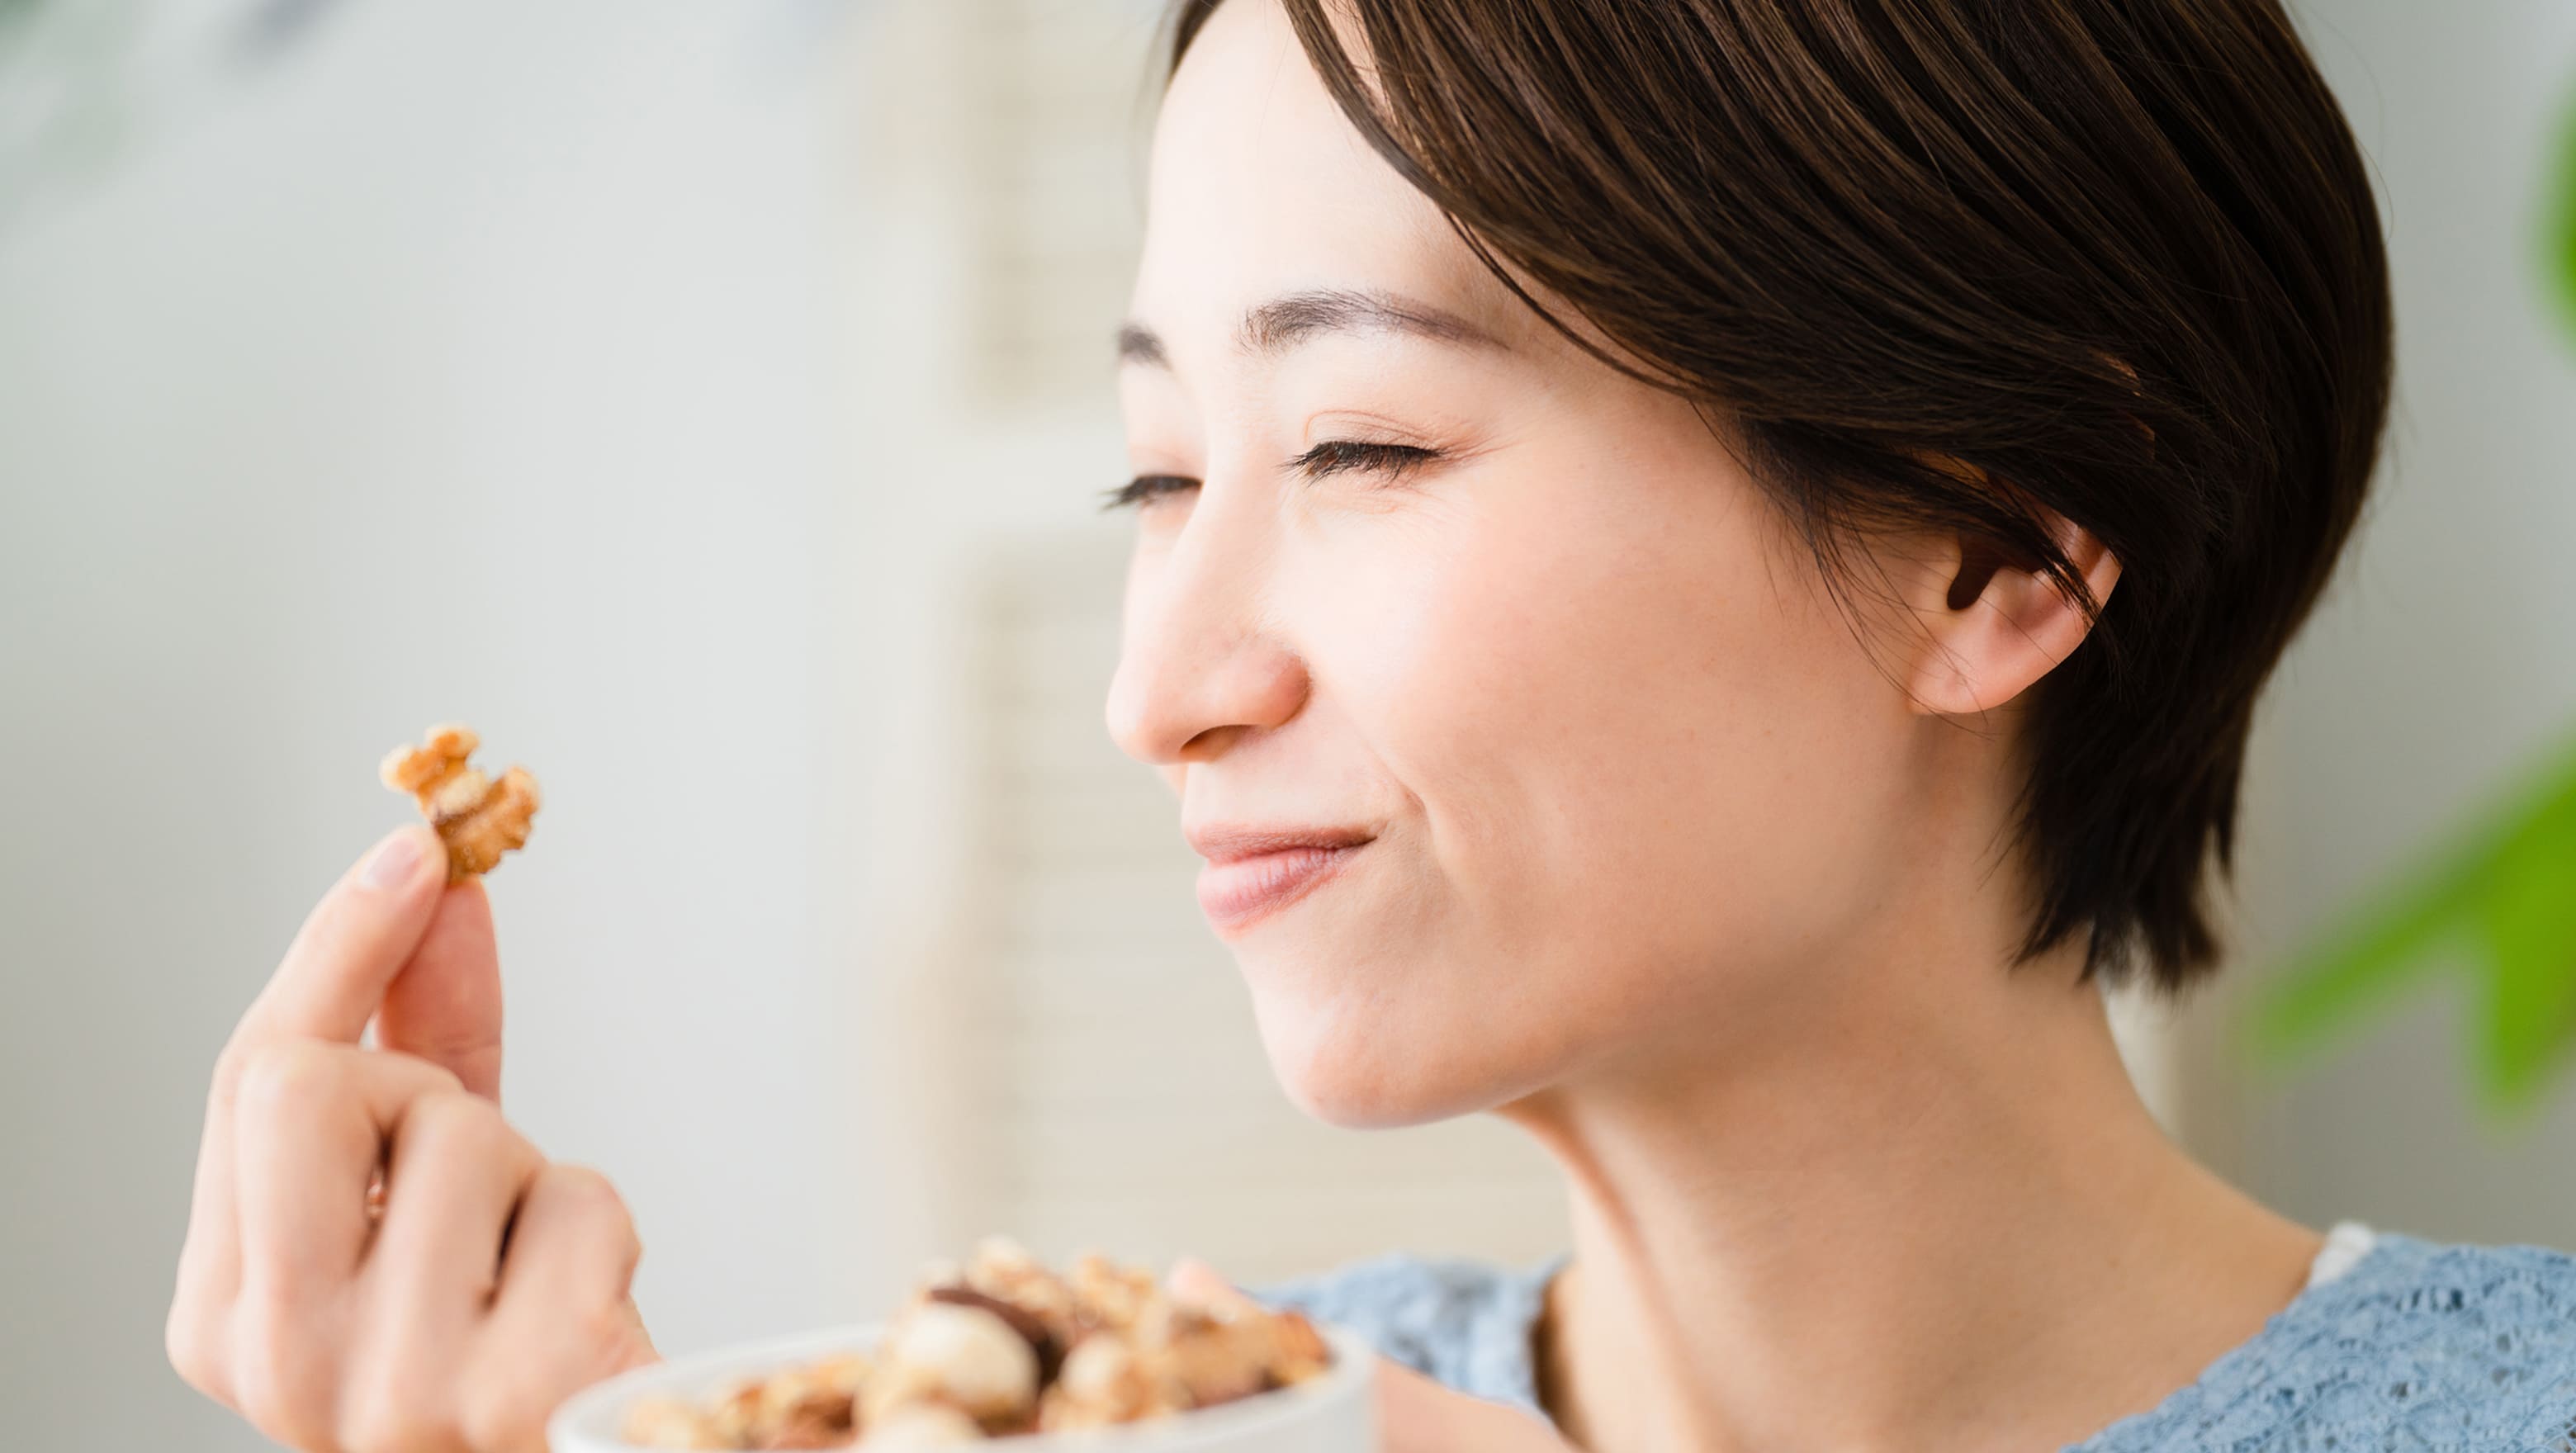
(1332, 456)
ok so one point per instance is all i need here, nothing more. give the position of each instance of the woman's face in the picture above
(1419, 568)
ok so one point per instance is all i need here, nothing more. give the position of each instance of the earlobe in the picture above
(2004, 623)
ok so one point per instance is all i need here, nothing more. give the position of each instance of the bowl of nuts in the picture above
(1102, 1358)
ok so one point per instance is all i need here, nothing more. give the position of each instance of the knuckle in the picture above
(374, 1412)
(503, 1411)
(226, 1082)
(439, 1079)
(394, 1423)
(389, 1406)
(277, 1382)
(196, 1354)
(281, 1079)
(270, 1339)
(588, 1193)
(515, 1385)
(452, 1124)
(595, 1203)
(606, 1327)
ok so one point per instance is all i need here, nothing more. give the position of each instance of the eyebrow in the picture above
(1294, 318)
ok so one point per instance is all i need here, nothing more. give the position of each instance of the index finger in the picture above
(351, 946)
(353, 943)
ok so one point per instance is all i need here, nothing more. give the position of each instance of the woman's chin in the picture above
(1369, 1070)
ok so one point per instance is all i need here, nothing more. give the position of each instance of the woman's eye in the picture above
(1333, 456)
(1145, 487)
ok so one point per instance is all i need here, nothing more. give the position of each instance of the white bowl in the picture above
(1335, 1412)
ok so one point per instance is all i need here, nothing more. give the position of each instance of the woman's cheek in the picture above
(1622, 700)
(1604, 715)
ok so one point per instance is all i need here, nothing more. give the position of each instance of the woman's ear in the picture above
(1993, 624)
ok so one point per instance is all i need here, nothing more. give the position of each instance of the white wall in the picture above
(2444, 663)
(474, 363)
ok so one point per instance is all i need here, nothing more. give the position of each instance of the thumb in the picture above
(1417, 1415)
(445, 1004)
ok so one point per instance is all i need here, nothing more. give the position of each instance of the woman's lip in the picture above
(1243, 891)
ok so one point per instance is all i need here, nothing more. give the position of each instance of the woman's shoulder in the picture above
(2484, 1321)
(2456, 1345)
(1461, 1322)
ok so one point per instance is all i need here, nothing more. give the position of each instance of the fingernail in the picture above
(395, 863)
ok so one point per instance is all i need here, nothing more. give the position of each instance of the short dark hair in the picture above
(2119, 258)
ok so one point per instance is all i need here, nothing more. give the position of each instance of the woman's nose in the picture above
(1201, 661)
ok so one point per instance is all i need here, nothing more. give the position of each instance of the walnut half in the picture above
(477, 817)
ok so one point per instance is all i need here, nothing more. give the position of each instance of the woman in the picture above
(1701, 573)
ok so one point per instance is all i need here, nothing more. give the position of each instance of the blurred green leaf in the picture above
(2562, 218)
(2381, 949)
(2527, 918)
(2503, 892)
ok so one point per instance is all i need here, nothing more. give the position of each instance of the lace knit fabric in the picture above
(2414, 1346)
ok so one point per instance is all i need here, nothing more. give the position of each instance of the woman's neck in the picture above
(1934, 1218)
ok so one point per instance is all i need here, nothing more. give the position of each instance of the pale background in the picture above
(711, 404)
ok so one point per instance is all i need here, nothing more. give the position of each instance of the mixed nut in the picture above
(1001, 1346)
(478, 817)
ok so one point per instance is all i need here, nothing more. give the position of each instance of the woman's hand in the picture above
(490, 1285)
(1414, 1413)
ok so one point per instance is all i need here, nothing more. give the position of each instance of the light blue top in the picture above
(2413, 1346)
